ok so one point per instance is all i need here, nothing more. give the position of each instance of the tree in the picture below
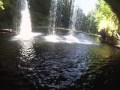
(64, 13)
(106, 18)
(92, 24)
(86, 23)
(108, 23)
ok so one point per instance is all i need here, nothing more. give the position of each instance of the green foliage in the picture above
(87, 23)
(64, 13)
(1, 5)
(106, 18)
(7, 15)
(92, 24)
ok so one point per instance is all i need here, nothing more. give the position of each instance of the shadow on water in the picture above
(37, 64)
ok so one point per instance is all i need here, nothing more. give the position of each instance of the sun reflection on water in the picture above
(27, 54)
(26, 36)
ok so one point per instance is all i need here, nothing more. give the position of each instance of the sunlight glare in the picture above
(86, 5)
(26, 36)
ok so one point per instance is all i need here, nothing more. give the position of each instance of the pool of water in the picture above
(37, 64)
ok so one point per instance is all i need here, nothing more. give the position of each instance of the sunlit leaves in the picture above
(105, 17)
(1, 5)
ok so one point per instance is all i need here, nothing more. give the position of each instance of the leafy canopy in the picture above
(105, 17)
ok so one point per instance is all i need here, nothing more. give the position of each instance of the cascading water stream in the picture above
(73, 17)
(54, 38)
(52, 17)
(25, 25)
(52, 23)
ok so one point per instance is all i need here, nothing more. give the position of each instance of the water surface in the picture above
(36, 64)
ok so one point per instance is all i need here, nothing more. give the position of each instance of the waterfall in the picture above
(74, 9)
(25, 25)
(52, 17)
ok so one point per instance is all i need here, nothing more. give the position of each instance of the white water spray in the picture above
(25, 25)
(74, 8)
(52, 17)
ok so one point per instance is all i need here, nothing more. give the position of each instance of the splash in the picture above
(69, 39)
(53, 38)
